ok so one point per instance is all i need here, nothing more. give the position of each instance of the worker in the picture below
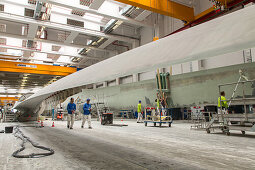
(158, 107)
(86, 114)
(163, 105)
(139, 111)
(222, 103)
(1, 113)
(71, 108)
(53, 114)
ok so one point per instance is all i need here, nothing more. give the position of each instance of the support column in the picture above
(105, 84)
(135, 77)
(118, 81)
(196, 65)
(94, 86)
(135, 44)
(162, 70)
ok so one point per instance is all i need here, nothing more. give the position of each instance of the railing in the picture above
(243, 99)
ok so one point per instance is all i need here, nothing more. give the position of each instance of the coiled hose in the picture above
(19, 134)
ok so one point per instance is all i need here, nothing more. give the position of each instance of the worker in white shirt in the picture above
(86, 114)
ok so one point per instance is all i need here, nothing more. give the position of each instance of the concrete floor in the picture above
(132, 147)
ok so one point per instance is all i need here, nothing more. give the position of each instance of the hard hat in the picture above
(140, 101)
(88, 99)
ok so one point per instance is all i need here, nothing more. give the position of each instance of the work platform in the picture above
(243, 121)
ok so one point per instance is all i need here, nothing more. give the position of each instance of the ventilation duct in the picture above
(113, 23)
(127, 10)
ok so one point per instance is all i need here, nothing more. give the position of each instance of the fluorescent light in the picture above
(119, 22)
(101, 39)
(89, 41)
(116, 26)
(93, 17)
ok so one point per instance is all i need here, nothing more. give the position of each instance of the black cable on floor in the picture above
(19, 134)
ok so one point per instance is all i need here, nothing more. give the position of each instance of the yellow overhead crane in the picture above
(171, 8)
(224, 2)
(164, 7)
(19, 67)
(5, 100)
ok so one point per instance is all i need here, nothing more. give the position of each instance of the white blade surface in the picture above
(229, 33)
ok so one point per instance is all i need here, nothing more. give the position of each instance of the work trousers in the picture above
(158, 111)
(70, 120)
(139, 117)
(86, 118)
(224, 111)
(163, 111)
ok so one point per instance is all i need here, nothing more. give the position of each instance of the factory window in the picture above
(3, 42)
(24, 30)
(86, 2)
(1, 7)
(55, 48)
(62, 36)
(99, 85)
(77, 12)
(32, 2)
(29, 44)
(29, 12)
(2, 27)
(75, 22)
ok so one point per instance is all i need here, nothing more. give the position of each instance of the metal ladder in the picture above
(9, 117)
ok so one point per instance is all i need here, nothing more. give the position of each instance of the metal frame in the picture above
(160, 122)
(200, 121)
(243, 122)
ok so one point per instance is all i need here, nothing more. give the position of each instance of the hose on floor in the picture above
(19, 134)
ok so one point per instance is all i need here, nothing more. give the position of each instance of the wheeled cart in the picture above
(239, 122)
(158, 122)
(107, 118)
(157, 119)
(235, 121)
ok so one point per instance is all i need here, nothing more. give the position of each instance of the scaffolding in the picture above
(99, 105)
(201, 120)
(243, 121)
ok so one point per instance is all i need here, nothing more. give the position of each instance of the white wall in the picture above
(177, 69)
(203, 5)
(14, 9)
(128, 79)
(111, 83)
(253, 54)
(146, 35)
(147, 75)
(126, 30)
(224, 60)
(171, 25)
(163, 25)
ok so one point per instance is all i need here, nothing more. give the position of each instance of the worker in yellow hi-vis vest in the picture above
(139, 111)
(222, 103)
(158, 107)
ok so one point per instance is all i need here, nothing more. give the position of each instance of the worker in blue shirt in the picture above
(53, 114)
(86, 114)
(71, 108)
